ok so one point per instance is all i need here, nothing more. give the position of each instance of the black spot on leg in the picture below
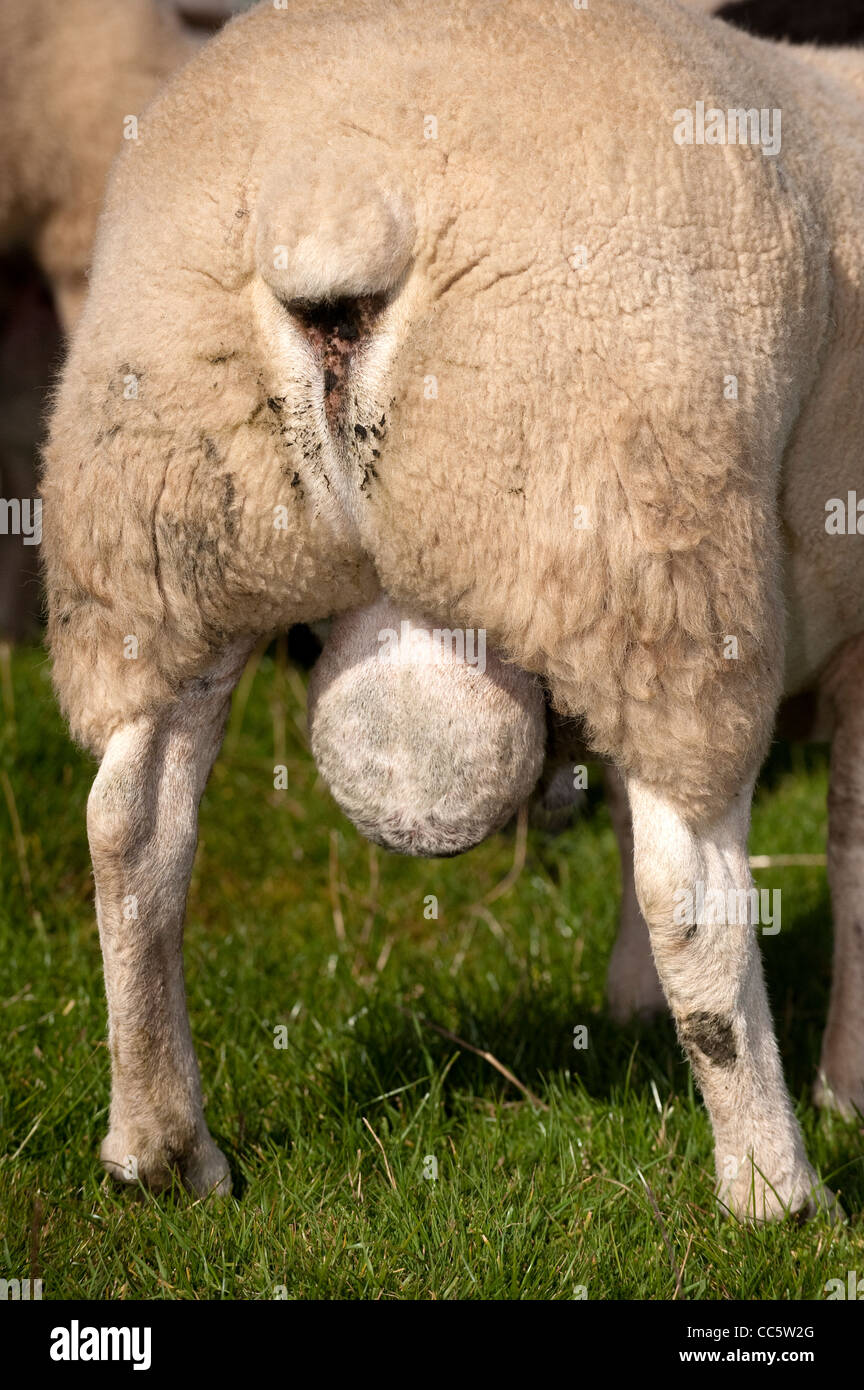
(691, 932)
(712, 1035)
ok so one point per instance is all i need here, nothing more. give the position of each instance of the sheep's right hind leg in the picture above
(142, 820)
(688, 879)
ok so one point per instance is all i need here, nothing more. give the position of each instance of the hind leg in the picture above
(840, 1084)
(712, 976)
(142, 821)
(633, 987)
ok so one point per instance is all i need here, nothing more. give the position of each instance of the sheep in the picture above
(75, 71)
(478, 331)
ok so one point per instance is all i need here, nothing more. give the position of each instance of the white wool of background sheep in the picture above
(76, 75)
(562, 382)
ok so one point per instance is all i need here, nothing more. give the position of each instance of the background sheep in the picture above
(75, 72)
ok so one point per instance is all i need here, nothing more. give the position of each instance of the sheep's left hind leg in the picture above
(142, 820)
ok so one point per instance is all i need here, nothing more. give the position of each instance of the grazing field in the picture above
(593, 1173)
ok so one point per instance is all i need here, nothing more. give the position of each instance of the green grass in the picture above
(293, 919)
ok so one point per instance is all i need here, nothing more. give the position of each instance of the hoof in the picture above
(841, 1098)
(751, 1198)
(154, 1163)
